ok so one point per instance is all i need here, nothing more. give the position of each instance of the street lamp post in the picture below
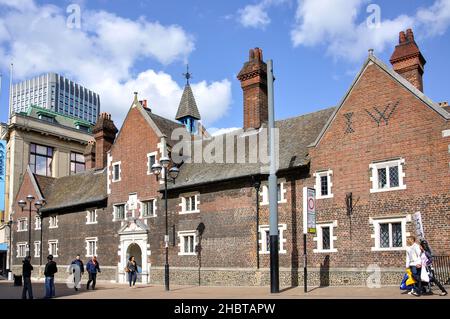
(39, 205)
(173, 172)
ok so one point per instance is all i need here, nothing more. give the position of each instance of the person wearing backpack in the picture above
(427, 262)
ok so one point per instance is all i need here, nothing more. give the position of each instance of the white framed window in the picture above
(22, 249)
(188, 241)
(189, 204)
(148, 208)
(53, 221)
(53, 247)
(37, 223)
(387, 176)
(119, 212)
(91, 246)
(22, 224)
(264, 239)
(323, 184)
(37, 249)
(389, 233)
(91, 217)
(151, 159)
(325, 237)
(281, 194)
(116, 172)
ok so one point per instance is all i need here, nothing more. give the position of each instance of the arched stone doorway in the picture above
(135, 250)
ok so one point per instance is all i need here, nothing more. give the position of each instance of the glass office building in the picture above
(56, 93)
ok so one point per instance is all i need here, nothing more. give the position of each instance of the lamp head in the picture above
(173, 172)
(156, 168)
(21, 203)
(30, 198)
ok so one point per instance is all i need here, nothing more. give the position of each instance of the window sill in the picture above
(376, 190)
(388, 249)
(149, 216)
(37, 229)
(190, 212)
(115, 181)
(323, 251)
(53, 227)
(268, 252)
(284, 201)
(324, 197)
(187, 254)
(21, 230)
(91, 223)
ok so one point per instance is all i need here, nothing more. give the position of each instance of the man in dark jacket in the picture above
(27, 268)
(92, 267)
(49, 272)
(77, 276)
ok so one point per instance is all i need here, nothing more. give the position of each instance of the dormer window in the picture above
(47, 118)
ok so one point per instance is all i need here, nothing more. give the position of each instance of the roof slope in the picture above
(166, 126)
(295, 134)
(74, 190)
(188, 106)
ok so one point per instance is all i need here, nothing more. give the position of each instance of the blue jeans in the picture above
(132, 276)
(49, 287)
(416, 275)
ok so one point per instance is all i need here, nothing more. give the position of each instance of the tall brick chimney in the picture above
(89, 155)
(253, 77)
(104, 133)
(407, 60)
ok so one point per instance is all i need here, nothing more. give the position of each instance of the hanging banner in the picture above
(2, 175)
(417, 217)
(309, 210)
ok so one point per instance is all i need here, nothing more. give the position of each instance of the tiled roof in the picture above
(76, 190)
(165, 126)
(295, 134)
(188, 106)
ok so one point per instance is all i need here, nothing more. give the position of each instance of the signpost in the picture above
(309, 225)
(417, 217)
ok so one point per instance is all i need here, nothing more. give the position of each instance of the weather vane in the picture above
(187, 75)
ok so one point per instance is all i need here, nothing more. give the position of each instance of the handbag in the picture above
(126, 269)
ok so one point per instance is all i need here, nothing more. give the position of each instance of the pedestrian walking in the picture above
(92, 267)
(27, 268)
(50, 270)
(77, 280)
(414, 263)
(427, 265)
(132, 270)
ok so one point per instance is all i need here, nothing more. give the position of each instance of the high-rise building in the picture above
(56, 93)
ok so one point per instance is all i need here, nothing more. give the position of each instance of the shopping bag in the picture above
(410, 280)
(403, 285)
(424, 276)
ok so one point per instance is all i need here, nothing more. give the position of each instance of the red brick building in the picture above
(375, 160)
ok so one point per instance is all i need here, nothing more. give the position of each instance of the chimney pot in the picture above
(402, 37)
(104, 133)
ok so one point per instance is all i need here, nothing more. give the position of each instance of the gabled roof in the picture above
(188, 106)
(165, 126)
(397, 77)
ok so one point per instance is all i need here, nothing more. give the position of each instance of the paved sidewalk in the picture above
(119, 291)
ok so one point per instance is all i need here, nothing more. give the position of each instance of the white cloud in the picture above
(335, 24)
(256, 15)
(103, 56)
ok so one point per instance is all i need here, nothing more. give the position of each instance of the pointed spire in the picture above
(188, 106)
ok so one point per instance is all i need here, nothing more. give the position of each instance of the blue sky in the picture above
(126, 46)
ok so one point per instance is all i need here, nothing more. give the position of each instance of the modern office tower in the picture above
(56, 93)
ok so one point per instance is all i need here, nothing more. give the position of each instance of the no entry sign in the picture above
(309, 210)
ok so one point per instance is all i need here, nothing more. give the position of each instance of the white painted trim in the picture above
(108, 180)
(332, 225)
(50, 221)
(120, 172)
(141, 207)
(88, 212)
(181, 236)
(37, 248)
(19, 230)
(264, 193)
(376, 232)
(91, 239)
(114, 212)
(183, 204)
(52, 241)
(262, 239)
(445, 133)
(37, 225)
(373, 168)
(18, 249)
(317, 185)
(149, 169)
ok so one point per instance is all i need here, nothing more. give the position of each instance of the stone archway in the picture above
(135, 250)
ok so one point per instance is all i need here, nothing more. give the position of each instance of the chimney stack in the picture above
(253, 77)
(407, 60)
(104, 133)
(89, 155)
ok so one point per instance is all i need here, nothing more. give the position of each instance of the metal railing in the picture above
(441, 265)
